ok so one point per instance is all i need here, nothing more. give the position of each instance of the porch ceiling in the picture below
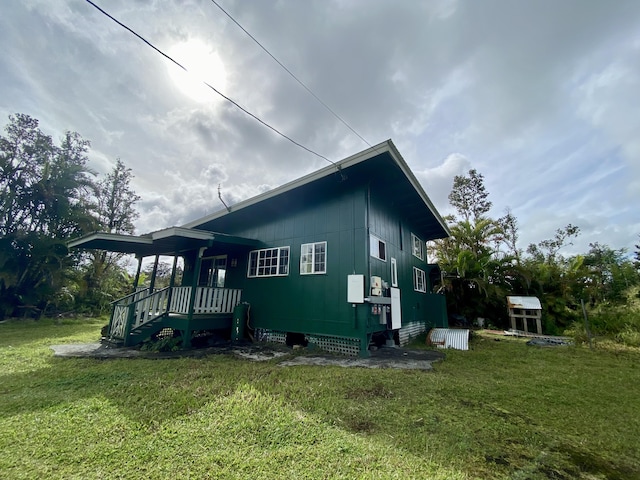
(163, 242)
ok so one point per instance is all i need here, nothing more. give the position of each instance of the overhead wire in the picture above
(230, 100)
(291, 74)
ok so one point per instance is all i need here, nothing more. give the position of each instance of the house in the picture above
(334, 258)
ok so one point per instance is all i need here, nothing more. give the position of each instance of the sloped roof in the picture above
(524, 303)
(382, 161)
(412, 193)
(161, 242)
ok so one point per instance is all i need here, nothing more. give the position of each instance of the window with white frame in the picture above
(417, 246)
(269, 262)
(313, 258)
(378, 248)
(394, 272)
(419, 280)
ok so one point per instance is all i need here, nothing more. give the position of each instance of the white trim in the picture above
(109, 236)
(375, 252)
(419, 276)
(277, 265)
(182, 232)
(394, 272)
(416, 241)
(313, 258)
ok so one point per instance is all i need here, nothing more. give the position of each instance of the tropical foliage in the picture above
(483, 264)
(47, 196)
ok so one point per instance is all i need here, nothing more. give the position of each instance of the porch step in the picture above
(141, 333)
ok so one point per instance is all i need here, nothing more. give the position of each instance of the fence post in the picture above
(586, 323)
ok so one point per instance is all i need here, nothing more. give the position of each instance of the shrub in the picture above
(166, 344)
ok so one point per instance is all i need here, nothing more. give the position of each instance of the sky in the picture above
(540, 97)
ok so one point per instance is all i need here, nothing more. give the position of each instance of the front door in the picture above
(213, 271)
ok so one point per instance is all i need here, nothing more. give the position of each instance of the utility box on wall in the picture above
(355, 288)
(376, 286)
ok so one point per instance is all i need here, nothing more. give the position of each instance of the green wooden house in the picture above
(336, 258)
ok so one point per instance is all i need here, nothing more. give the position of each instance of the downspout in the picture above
(364, 339)
(368, 243)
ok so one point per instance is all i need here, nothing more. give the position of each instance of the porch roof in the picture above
(168, 241)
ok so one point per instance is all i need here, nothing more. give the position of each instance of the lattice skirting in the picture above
(270, 336)
(409, 331)
(343, 345)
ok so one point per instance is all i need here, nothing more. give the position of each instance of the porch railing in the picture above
(139, 308)
(208, 300)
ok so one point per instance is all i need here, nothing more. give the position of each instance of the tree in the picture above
(103, 277)
(509, 227)
(608, 274)
(547, 250)
(469, 196)
(44, 200)
(477, 271)
(116, 200)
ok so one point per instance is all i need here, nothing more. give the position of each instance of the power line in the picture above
(291, 73)
(255, 117)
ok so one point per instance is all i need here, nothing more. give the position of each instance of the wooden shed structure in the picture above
(525, 311)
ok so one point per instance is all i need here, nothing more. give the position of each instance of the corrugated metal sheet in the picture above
(455, 338)
(407, 332)
(525, 303)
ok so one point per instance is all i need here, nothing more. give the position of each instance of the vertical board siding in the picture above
(314, 304)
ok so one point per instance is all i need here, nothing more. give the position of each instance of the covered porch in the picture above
(203, 301)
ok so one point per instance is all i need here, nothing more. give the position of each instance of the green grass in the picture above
(500, 410)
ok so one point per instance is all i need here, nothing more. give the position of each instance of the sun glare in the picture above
(203, 65)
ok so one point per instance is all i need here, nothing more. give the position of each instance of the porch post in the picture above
(192, 296)
(137, 277)
(172, 281)
(152, 283)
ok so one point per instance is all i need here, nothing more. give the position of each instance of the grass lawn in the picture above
(500, 410)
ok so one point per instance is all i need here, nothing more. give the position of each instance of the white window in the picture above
(313, 258)
(378, 248)
(417, 246)
(269, 262)
(394, 272)
(419, 282)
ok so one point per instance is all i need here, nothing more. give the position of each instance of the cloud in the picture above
(541, 98)
(438, 181)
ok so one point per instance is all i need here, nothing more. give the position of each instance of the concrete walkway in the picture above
(388, 357)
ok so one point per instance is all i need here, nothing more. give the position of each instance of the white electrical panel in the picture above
(396, 309)
(376, 286)
(355, 288)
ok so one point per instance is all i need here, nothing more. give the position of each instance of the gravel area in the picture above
(386, 357)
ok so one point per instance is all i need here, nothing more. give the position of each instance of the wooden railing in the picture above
(150, 307)
(207, 300)
(138, 308)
